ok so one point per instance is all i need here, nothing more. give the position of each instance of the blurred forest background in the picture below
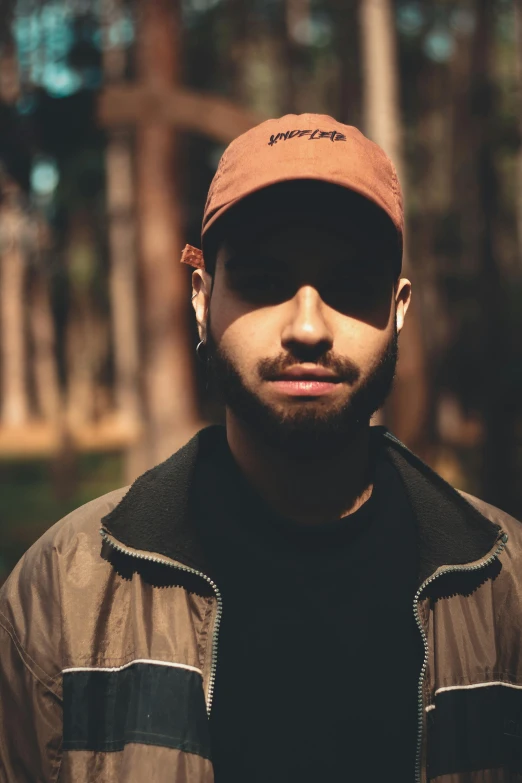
(113, 117)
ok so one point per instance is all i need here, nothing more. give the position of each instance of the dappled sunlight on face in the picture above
(300, 295)
(351, 275)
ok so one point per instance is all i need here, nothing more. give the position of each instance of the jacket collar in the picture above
(450, 530)
(155, 514)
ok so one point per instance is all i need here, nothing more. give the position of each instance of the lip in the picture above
(305, 387)
(312, 374)
(306, 382)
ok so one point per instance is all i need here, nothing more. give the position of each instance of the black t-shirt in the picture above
(318, 652)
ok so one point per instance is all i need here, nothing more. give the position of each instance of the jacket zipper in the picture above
(420, 702)
(219, 611)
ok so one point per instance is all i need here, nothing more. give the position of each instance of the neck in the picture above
(311, 490)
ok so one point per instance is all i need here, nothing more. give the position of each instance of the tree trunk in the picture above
(84, 329)
(15, 405)
(297, 19)
(9, 77)
(499, 406)
(517, 6)
(80, 383)
(168, 369)
(348, 43)
(123, 262)
(43, 337)
(407, 410)
(123, 294)
(381, 109)
(434, 131)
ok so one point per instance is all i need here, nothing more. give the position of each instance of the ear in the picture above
(201, 287)
(402, 301)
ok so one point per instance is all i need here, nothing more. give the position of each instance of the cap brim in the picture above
(359, 189)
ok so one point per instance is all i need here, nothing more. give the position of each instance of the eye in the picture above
(350, 283)
(352, 286)
(352, 293)
(258, 285)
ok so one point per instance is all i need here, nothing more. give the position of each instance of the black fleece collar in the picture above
(155, 514)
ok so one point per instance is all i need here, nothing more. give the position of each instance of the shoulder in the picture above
(67, 554)
(80, 526)
(509, 524)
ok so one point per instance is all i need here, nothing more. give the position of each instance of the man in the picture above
(294, 597)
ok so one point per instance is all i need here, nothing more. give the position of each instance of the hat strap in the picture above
(193, 257)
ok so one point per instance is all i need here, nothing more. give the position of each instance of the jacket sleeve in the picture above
(30, 690)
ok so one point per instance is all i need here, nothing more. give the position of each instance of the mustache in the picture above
(343, 367)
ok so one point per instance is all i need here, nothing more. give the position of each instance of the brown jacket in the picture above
(109, 647)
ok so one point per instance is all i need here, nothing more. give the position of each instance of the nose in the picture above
(307, 333)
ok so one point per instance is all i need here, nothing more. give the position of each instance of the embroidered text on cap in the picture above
(316, 134)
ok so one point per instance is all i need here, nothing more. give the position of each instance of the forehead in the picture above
(291, 236)
(306, 219)
(308, 244)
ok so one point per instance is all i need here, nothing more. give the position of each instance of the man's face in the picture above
(301, 332)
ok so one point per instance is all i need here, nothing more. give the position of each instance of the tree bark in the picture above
(348, 43)
(297, 18)
(123, 292)
(15, 403)
(407, 410)
(381, 110)
(498, 479)
(123, 262)
(43, 336)
(172, 409)
(517, 7)
(85, 336)
(204, 113)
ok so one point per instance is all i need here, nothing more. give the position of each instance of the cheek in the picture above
(225, 311)
(362, 342)
(243, 332)
(243, 336)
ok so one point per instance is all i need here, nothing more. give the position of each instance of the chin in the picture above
(304, 430)
(322, 406)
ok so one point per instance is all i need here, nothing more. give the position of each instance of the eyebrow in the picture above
(355, 270)
(349, 265)
(357, 264)
(247, 261)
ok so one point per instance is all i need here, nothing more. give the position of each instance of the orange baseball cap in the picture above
(301, 147)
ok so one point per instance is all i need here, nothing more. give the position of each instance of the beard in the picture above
(303, 429)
